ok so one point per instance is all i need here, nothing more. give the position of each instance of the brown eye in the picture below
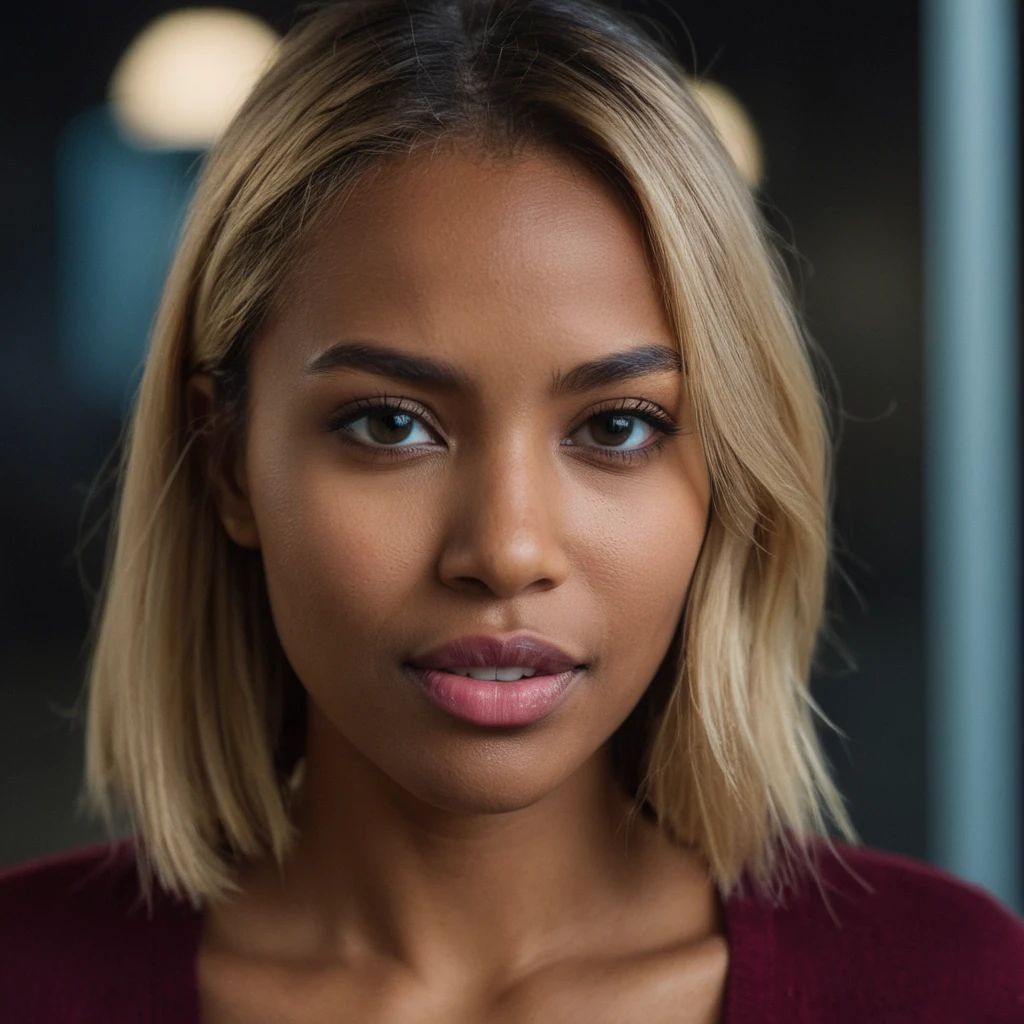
(612, 429)
(387, 427)
(614, 435)
(381, 425)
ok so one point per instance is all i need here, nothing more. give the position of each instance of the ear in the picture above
(222, 460)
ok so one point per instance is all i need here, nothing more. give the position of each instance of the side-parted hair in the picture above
(195, 720)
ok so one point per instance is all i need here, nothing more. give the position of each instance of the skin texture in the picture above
(447, 870)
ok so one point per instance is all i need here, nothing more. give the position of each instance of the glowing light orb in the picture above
(734, 128)
(186, 74)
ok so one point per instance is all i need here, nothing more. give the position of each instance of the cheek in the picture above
(638, 567)
(341, 552)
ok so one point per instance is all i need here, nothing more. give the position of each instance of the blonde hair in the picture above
(194, 717)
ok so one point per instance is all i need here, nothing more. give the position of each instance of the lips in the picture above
(517, 649)
(495, 702)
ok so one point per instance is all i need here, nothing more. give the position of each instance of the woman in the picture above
(469, 563)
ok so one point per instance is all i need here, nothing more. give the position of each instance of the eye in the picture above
(617, 428)
(613, 428)
(382, 424)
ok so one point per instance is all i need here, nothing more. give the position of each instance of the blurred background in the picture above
(105, 111)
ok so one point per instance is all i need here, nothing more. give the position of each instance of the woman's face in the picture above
(486, 506)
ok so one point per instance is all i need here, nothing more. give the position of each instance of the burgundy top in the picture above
(76, 945)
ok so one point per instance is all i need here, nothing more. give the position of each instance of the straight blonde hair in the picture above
(194, 720)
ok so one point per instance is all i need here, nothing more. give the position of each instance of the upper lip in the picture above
(523, 649)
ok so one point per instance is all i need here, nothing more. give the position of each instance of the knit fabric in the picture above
(885, 939)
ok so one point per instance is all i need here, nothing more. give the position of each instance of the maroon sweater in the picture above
(76, 945)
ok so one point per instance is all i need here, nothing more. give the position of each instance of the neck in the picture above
(377, 872)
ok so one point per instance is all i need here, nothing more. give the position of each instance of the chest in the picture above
(685, 986)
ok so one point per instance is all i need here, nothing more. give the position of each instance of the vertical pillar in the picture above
(972, 458)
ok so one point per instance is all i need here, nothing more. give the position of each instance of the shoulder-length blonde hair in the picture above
(194, 718)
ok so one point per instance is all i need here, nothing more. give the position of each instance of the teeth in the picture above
(506, 674)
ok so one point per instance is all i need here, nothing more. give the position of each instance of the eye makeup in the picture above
(388, 409)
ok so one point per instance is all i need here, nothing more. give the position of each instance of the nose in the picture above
(505, 534)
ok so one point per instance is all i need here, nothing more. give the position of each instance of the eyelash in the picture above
(644, 410)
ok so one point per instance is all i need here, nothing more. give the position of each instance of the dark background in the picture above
(833, 91)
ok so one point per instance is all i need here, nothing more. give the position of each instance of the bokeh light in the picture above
(734, 127)
(184, 77)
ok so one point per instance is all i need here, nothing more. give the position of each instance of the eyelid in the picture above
(644, 409)
(653, 410)
(643, 404)
(349, 412)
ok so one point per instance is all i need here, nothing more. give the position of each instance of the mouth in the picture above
(495, 673)
(495, 696)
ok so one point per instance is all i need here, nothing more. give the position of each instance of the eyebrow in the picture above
(385, 361)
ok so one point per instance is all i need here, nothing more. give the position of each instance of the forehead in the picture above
(454, 251)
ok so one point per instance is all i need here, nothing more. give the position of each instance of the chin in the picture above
(483, 785)
(466, 801)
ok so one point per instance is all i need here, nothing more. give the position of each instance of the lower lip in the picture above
(494, 702)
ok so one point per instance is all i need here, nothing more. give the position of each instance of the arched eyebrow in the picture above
(384, 361)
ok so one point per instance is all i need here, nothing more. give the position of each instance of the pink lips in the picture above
(496, 702)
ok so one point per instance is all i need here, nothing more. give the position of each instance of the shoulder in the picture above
(76, 935)
(46, 882)
(902, 938)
